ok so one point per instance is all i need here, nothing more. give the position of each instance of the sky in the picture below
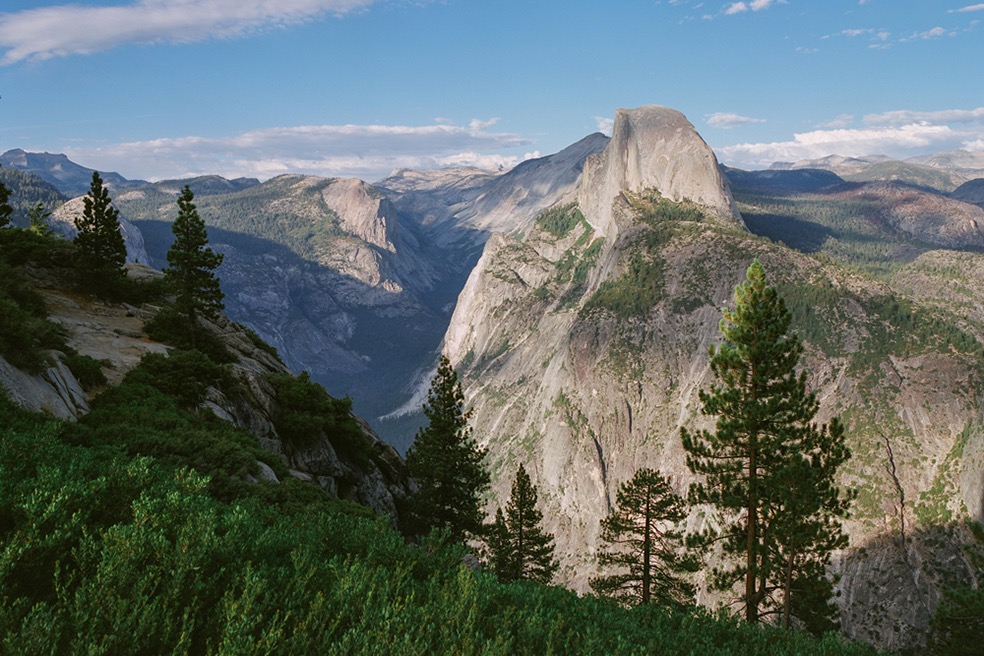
(157, 89)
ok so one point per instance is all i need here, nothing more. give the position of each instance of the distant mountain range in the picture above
(943, 171)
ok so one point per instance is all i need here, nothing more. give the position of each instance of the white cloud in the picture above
(895, 141)
(727, 121)
(368, 152)
(966, 9)
(754, 5)
(840, 121)
(605, 125)
(901, 117)
(72, 29)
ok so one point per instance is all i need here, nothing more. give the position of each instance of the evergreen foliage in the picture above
(446, 463)
(307, 412)
(519, 547)
(767, 467)
(644, 547)
(192, 265)
(37, 217)
(26, 333)
(958, 623)
(100, 249)
(6, 211)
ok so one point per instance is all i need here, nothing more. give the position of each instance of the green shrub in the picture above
(559, 221)
(87, 370)
(183, 375)
(306, 411)
(172, 328)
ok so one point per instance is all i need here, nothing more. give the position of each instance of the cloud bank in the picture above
(898, 134)
(73, 29)
(368, 152)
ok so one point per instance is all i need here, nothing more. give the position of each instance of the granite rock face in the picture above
(653, 148)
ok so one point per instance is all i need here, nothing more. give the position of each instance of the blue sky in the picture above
(169, 88)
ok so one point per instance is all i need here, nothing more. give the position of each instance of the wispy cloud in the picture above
(840, 121)
(368, 152)
(727, 121)
(897, 134)
(74, 29)
(752, 5)
(933, 33)
(968, 8)
(943, 117)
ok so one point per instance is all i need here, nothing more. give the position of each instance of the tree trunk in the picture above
(786, 590)
(647, 548)
(751, 556)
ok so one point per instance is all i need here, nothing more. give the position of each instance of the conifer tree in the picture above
(520, 549)
(37, 217)
(192, 264)
(101, 251)
(446, 463)
(767, 467)
(6, 211)
(643, 546)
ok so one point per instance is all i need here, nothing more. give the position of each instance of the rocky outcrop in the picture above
(653, 148)
(381, 483)
(54, 391)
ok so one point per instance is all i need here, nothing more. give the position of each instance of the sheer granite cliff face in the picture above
(653, 148)
(570, 373)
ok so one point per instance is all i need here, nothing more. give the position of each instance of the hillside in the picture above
(171, 510)
(583, 345)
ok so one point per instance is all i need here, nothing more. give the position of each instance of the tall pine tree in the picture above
(643, 548)
(192, 264)
(767, 467)
(100, 249)
(447, 464)
(520, 549)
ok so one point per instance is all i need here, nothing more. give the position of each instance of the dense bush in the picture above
(306, 411)
(182, 375)
(559, 221)
(25, 331)
(171, 327)
(86, 369)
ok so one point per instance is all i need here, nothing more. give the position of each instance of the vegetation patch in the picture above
(307, 412)
(559, 221)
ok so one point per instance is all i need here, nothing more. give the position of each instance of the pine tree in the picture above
(520, 549)
(446, 463)
(643, 546)
(101, 251)
(767, 467)
(6, 211)
(37, 217)
(192, 265)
